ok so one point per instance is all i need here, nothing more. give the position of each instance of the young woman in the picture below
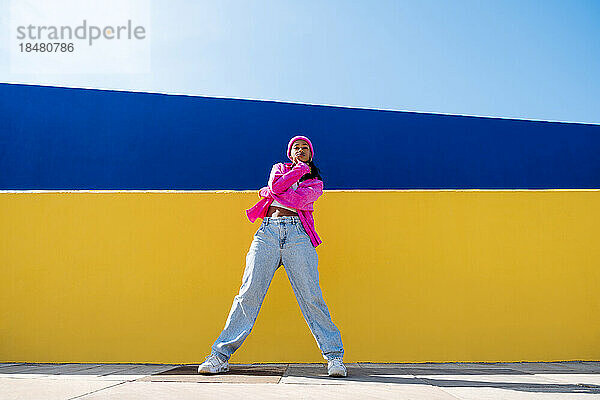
(286, 236)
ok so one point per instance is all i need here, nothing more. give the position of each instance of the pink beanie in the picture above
(289, 150)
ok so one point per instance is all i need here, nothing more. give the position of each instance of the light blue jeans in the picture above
(280, 240)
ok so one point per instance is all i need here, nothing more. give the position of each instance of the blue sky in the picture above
(523, 59)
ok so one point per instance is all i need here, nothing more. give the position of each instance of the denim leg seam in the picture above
(308, 320)
(242, 318)
(311, 322)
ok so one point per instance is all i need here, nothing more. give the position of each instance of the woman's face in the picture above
(301, 150)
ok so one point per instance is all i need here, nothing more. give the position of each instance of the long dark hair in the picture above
(314, 172)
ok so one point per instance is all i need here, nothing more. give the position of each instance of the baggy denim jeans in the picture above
(280, 240)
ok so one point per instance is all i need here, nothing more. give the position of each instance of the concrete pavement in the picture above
(432, 381)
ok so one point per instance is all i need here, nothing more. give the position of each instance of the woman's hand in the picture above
(295, 159)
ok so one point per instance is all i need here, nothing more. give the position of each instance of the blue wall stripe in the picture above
(66, 138)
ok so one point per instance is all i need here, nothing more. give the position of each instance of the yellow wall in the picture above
(409, 276)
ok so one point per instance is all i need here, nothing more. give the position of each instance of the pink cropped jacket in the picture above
(281, 179)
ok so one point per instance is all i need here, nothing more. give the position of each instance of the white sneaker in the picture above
(335, 367)
(213, 365)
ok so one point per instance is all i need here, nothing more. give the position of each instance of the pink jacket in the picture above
(283, 176)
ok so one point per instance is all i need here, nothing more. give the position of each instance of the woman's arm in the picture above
(279, 181)
(308, 192)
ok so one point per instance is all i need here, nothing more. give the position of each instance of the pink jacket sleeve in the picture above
(308, 192)
(280, 181)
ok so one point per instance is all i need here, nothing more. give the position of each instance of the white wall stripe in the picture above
(326, 191)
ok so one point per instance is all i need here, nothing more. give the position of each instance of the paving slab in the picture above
(100, 372)
(490, 365)
(520, 393)
(577, 379)
(188, 391)
(410, 365)
(48, 371)
(542, 367)
(582, 366)
(443, 381)
(135, 372)
(47, 389)
(238, 373)
(527, 386)
(459, 379)
(29, 368)
(2, 365)
(460, 371)
(316, 374)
